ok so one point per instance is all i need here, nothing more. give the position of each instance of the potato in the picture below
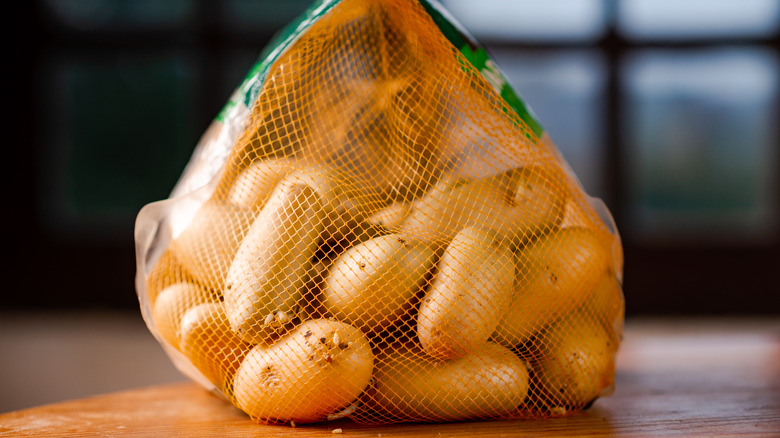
(372, 285)
(391, 217)
(207, 341)
(172, 303)
(607, 305)
(316, 369)
(382, 132)
(576, 366)
(470, 292)
(488, 382)
(536, 204)
(452, 205)
(390, 161)
(517, 204)
(555, 275)
(207, 246)
(576, 215)
(330, 249)
(344, 204)
(166, 271)
(254, 185)
(265, 281)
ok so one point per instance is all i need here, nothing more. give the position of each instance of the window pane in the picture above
(118, 132)
(530, 19)
(566, 91)
(120, 14)
(702, 144)
(679, 19)
(262, 16)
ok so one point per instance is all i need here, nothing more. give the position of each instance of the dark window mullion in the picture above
(211, 56)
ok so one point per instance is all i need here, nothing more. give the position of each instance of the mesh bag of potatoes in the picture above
(375, 227)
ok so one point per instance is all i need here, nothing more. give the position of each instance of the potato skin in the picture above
(607, 305)
(489, 382)
(391, 217)
(272, 264)
(452, 205)
(172, 303)
(167, 271)
(576, 366)
(555, 275)
(344, 204)
(373, 284)
(254, 185)
(470, 292)
(207, 341)
(536, 204)
(517, 204)
(319, 368)
(207, 246)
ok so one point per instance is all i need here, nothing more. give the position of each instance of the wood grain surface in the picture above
(674, 378)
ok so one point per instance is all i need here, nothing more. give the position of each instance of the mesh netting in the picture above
(387, 242)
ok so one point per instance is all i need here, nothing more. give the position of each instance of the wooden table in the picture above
(674, 378)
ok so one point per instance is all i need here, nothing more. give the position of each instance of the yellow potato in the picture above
(344, 204)
(266, 279)
(488, 382)
(381, 132)
(331, 248)
(316, 369)
(254, 185)
(165, 272)
(388, 162)
(576, 366)
(607, 305)
(577, 215)
(450, 206)
(172, 303)
(372, 285)
(207, 341)
(517, 204)
(391, 217)
(536, 204)
(207, 246)
(555, 275)
(470, 292)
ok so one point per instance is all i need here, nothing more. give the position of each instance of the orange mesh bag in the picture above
(376, 227)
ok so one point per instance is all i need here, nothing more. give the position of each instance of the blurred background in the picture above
(668, 110)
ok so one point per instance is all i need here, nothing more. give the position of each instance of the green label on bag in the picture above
(482, 62)
(478, 57)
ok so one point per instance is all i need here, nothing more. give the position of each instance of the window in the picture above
(666, 109)
(701, 145)
(118, 128)
(111, 15)
(531, 20)
(688, 19)
(261, 16)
